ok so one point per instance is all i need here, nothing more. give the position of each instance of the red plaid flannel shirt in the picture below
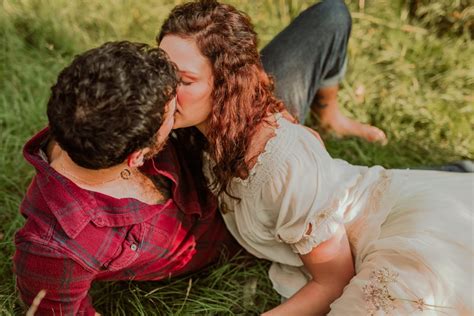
(73, 237)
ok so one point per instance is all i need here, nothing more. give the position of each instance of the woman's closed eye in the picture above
(187, 77)
(186, 82)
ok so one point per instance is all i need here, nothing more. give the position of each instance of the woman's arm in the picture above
(331, 267)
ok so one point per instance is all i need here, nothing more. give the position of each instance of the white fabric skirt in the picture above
(416, 259)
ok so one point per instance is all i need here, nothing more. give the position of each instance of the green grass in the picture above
(416, 73)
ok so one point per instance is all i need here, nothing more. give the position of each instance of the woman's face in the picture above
(194, 93)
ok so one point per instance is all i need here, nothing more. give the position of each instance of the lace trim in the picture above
(267, 161)
(268, 149)
(323, 225)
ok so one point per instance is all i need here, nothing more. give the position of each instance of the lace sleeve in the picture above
(320, 228)
(305, 206)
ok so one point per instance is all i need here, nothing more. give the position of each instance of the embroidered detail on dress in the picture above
(321, 217)
(319, 229)
(224, 208)
(324, 215)
(377, 295)
(268, 149)
(271, 159)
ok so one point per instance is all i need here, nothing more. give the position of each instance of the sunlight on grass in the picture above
(412, 77)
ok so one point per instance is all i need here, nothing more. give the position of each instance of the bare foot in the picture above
(326, 108)
(341, 125)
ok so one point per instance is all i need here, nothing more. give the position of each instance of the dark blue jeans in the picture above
(308, 54)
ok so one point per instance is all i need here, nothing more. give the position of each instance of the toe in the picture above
(376, 135)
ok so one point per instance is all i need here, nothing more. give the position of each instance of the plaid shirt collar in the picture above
(77, 207)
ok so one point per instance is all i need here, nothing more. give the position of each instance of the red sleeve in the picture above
(66, 284)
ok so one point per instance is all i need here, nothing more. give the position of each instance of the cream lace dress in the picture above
(411, 232)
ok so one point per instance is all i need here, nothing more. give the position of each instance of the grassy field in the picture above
(410, 73)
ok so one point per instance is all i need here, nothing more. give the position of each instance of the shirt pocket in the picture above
(129, 247)
(165, 234)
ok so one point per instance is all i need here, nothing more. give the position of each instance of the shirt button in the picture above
(133, 247)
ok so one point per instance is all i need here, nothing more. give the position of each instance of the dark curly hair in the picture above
(243, 93)
(110, 101)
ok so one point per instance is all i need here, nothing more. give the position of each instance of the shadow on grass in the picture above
(238, 286)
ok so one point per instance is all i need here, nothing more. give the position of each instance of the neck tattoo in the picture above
(125, 174)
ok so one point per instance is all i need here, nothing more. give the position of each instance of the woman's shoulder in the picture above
(284, 147)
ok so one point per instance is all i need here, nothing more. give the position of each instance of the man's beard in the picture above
(155, 148)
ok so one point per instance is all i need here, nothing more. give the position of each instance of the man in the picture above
(97, 209)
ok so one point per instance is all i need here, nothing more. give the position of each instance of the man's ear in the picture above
(137, 158)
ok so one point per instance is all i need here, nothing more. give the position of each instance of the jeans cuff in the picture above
(334, 80)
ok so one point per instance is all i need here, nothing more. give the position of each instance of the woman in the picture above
(348, 240)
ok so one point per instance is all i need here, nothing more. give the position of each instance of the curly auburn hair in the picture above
(243, 93)
(110, 101)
